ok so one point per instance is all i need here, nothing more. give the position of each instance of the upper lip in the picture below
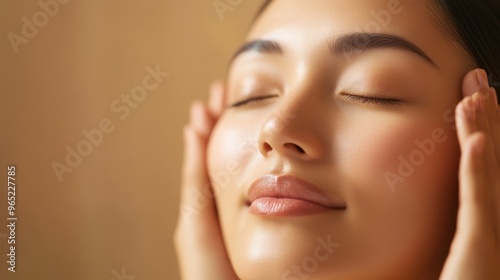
(288, 186)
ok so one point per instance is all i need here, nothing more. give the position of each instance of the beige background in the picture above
(118, 207)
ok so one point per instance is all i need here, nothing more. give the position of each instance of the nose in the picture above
(293, 131)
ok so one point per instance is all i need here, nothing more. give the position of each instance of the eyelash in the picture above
(356, 98)
(257, 99)
(373, 100)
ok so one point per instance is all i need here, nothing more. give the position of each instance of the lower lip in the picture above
(271, 206)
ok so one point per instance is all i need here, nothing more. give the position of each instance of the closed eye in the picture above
(373, 100)
(356, 98)
(253, 100)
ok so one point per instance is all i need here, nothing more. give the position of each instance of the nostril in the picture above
(300, 149)
(267, 147)
(295, 147)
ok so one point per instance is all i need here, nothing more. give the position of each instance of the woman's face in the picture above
(383, 170)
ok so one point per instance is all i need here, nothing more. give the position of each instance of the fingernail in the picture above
(482, 79)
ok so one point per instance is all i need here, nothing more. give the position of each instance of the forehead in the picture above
(302, 24)
(356, 14)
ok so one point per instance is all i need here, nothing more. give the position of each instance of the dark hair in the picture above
(475, 26)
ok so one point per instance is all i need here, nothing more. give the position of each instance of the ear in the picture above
(216, 98)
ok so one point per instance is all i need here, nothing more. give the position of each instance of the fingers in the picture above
(197, 198)
(198, 239)
(489, 118)
(478, 128)
(195, 136)
(479, 111)
(196, 193)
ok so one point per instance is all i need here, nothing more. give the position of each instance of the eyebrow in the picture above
(260, 46)
(344, 45)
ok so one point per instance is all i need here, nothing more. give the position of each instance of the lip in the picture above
(287, 195)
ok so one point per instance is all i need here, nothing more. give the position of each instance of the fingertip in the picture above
(216, 100)
(216, 85)
(470, 83)
(470, 109)
(482, 79)
(461, 110)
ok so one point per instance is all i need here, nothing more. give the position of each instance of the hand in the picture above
(198, 239)
(475, 250)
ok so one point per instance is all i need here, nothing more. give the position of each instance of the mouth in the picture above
(288, 195)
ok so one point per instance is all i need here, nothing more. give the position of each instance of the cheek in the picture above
(224, 163)
(233, 143)
(395, 151)
(231, 149)
(403, 185)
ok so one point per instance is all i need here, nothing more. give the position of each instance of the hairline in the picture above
(441, 20)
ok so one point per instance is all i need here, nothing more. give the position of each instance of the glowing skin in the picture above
(348, 146)
(329, 162)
